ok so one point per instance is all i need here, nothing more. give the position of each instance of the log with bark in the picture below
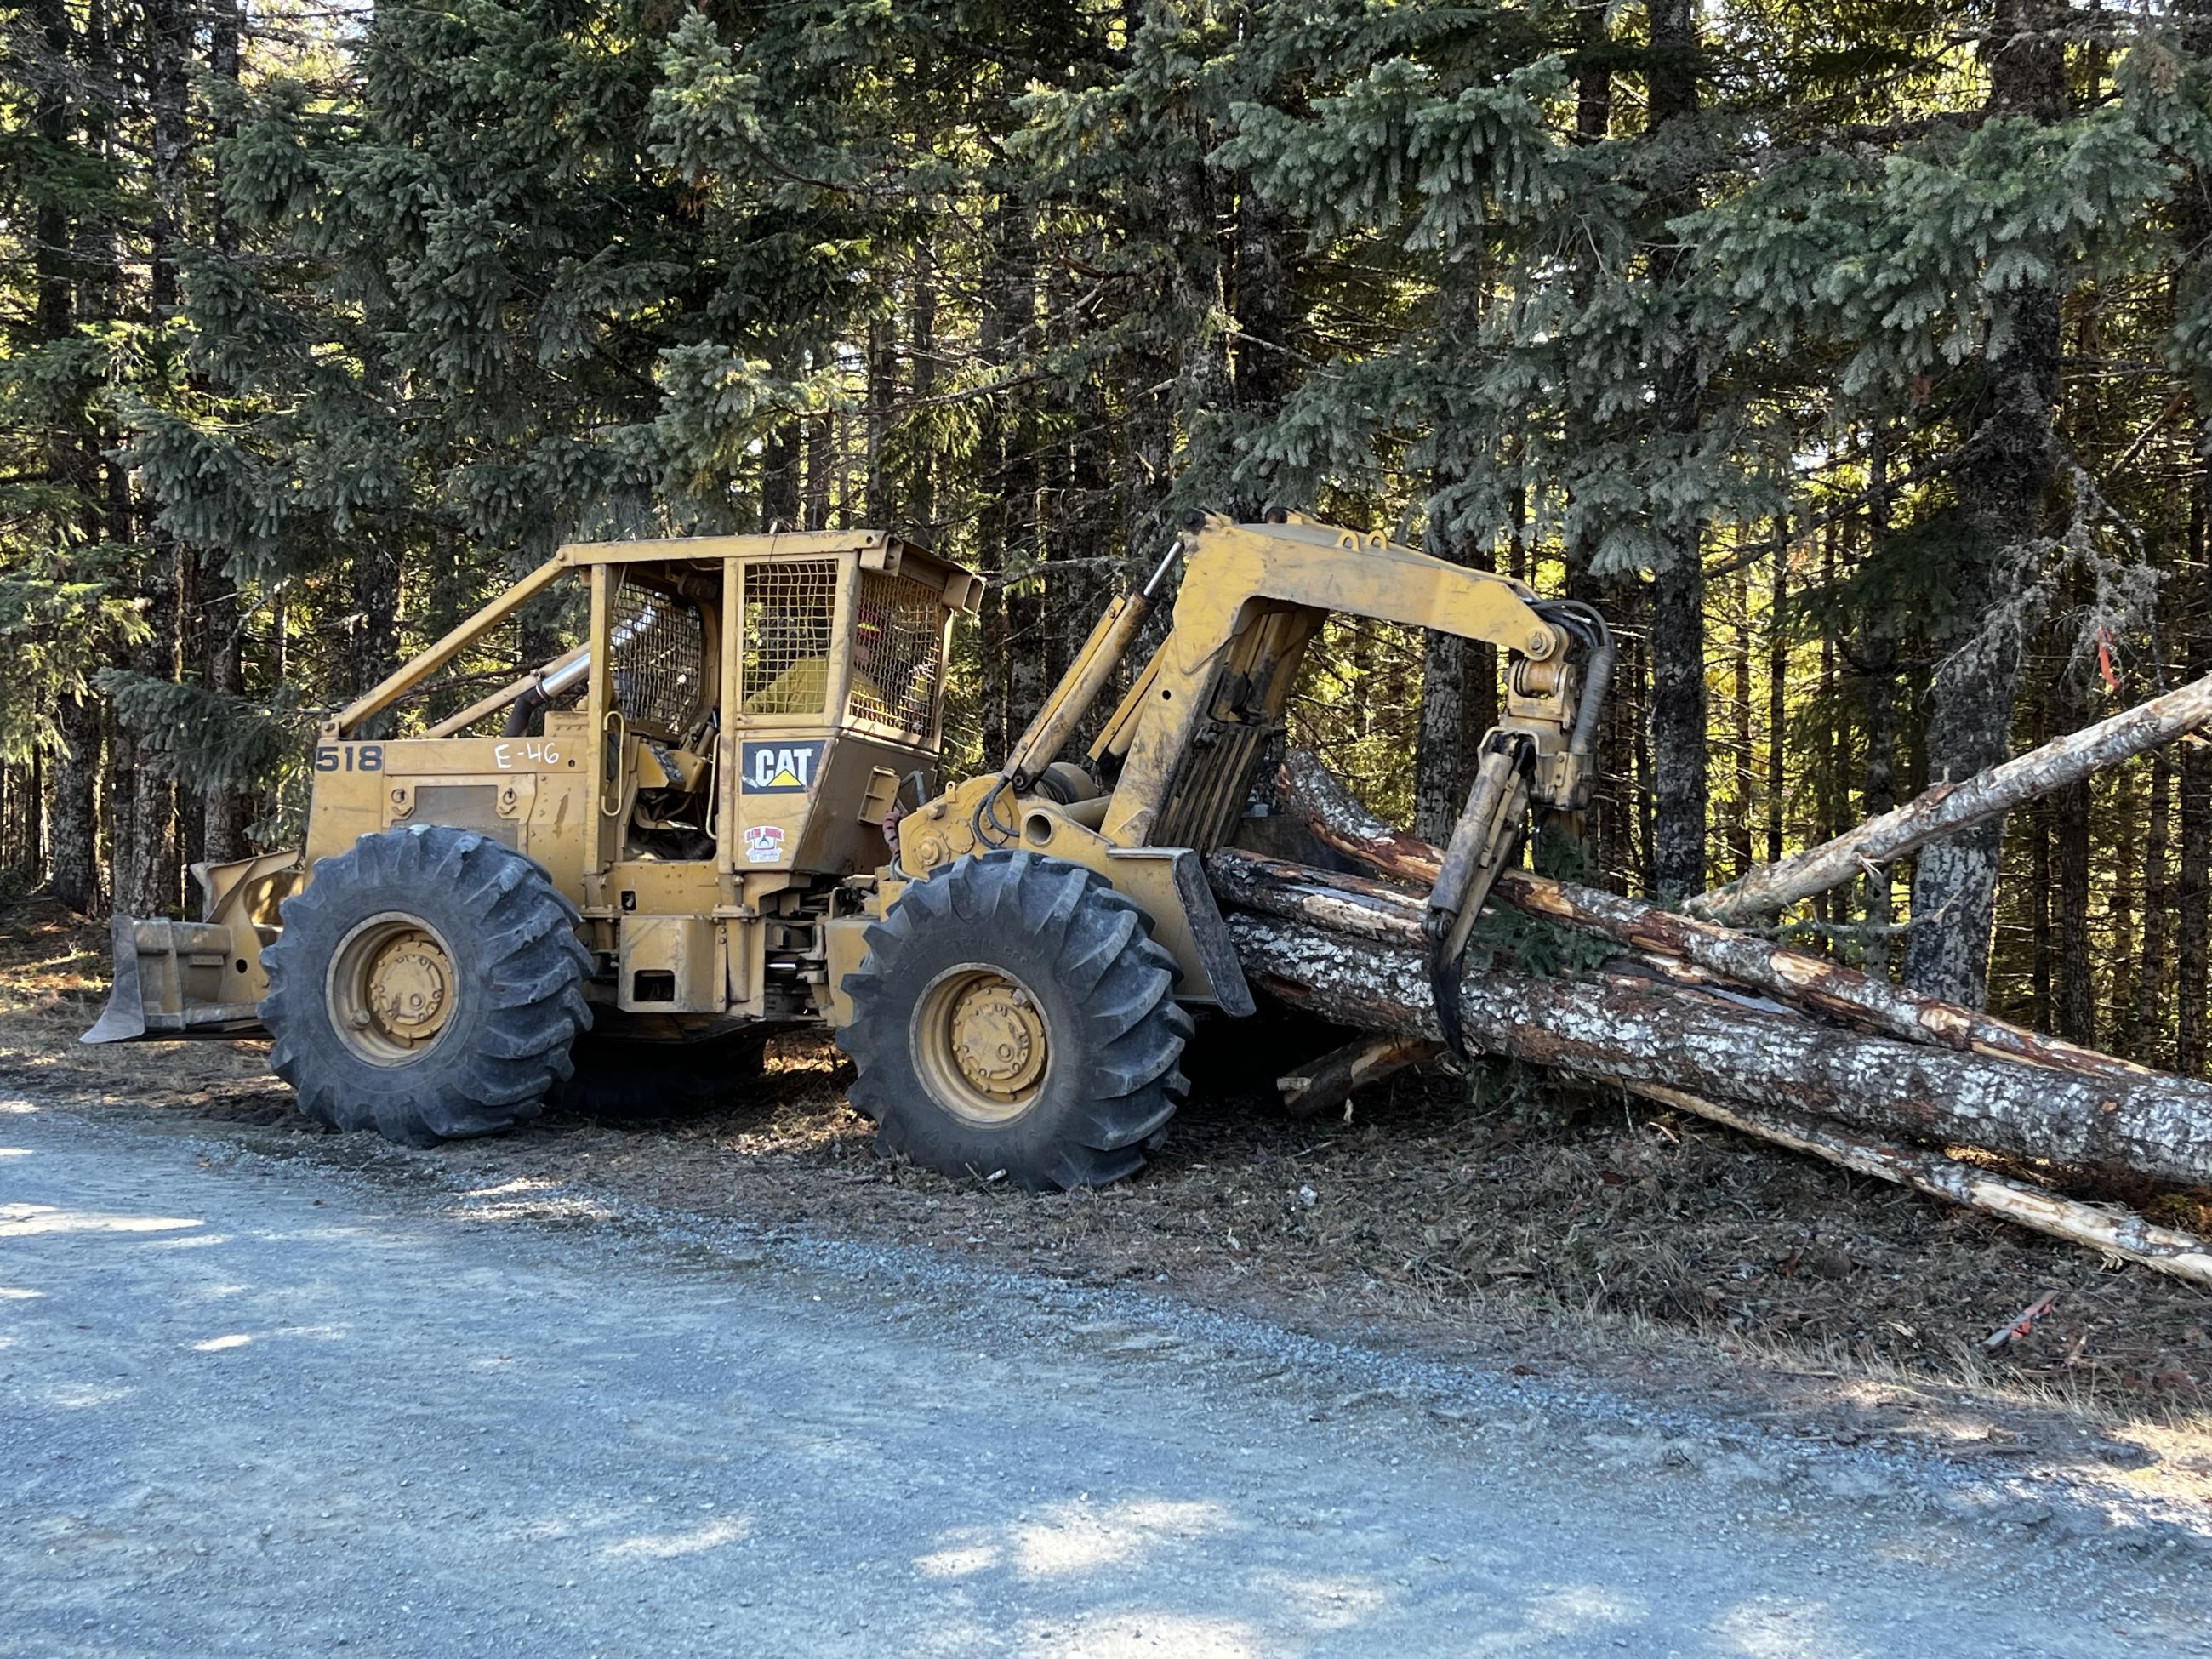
(1350, 950)
(1331, 1080)
(1948, 808)
(1311, 795)
(1770, 1041)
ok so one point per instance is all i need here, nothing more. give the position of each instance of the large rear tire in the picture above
(1014, 1015)
(428, 984)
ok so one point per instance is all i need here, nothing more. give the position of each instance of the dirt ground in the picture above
(1493, 1216)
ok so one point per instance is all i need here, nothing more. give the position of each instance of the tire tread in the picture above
(520, 935)
(1132, 1029)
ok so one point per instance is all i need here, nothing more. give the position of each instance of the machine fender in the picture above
(1209, 934)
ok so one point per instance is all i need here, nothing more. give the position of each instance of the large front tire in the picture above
(1014, 1015)
(428, 984)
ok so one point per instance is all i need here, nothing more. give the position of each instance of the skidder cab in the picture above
(647, 835)
(675, 835)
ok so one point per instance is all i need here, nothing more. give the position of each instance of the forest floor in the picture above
(1535, 1231)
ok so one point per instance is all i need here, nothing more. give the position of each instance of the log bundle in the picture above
(1771, 1040)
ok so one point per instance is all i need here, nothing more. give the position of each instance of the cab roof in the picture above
(876, 550)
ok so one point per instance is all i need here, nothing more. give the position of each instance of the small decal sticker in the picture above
(764, 843)
(778, 768)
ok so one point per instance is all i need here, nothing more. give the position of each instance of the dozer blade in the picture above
(169, 978)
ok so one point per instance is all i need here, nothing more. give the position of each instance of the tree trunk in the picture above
(2149, 1022)
(1079, 542)
(2002, 482)
(1678, 737)
(1003, 524)
(1014, 254)
(2039, 913)
(2125, 815)
(821, 443)
(1827, 762)
(2074, 985)
(921, 326)
(226, 30)
(73, 859)
(374, 648)
(1147, 443)
(1742, 808)
(2193, 925)
(2193, 908)
(1778, 696)
(1678, 729)
(780, 466)
(1264, 313)
(1320, 1085)
(225, 814)
(104, 485)
(148, 876)
(2105, 1228)
(1594, 86)
(71, 832)
(1459, 676)
(1350, 950)
(1438, 777)
(1878, 793)
(883, 371)
(1638, 658)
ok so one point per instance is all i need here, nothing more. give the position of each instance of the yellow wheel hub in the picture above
(980, 1044)
(392, 989)
(408, 986)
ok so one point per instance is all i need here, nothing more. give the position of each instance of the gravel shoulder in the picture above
(279, 1394)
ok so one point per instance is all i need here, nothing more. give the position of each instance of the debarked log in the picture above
(1945, 808)
(1646, 1032)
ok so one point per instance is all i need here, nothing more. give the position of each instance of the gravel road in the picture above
(252, 1404)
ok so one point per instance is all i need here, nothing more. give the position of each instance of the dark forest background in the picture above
(1851, 356)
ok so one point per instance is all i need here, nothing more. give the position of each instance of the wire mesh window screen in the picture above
(898, 640)
(657, 645)
(790, 607)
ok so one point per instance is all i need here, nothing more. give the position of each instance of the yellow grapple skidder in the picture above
(721, 816)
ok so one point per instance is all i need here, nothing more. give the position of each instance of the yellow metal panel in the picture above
(646, 887)
(726, 743)
(845, 946)
(529, 792)
(745, 963)
(688, 950)
(1229, 569)
(602, 835)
